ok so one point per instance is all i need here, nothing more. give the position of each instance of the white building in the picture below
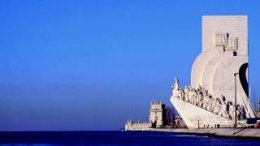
(157, 116)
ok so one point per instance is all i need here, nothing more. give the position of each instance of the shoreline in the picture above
(242, 133)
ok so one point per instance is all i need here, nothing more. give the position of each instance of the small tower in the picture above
(157, 114)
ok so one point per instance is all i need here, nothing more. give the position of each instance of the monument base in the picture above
(197, 117)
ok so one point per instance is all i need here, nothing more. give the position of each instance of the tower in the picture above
(218, 95)
(157, 114)
(224, 53)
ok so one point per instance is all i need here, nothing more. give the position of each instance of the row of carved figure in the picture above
(201, 98)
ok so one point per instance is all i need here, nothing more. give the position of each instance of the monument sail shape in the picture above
(210, 100)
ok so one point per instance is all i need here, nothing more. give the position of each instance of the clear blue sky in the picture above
(93, 64)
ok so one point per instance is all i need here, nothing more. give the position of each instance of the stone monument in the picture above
(219, 74)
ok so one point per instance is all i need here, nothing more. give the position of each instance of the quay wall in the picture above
(220, 132)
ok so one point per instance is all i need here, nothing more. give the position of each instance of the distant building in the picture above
(258, 114)
(170, 115)
(178, 122)
(157, 116)
(160, 116)
(132, 126)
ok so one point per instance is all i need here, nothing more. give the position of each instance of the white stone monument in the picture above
(224, 59)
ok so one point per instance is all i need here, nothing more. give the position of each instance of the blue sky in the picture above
(93, 64)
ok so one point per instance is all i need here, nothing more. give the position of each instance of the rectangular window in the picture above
(234, 53)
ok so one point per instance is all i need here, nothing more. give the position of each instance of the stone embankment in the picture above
(220, 132)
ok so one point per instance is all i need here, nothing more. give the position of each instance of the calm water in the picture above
(110, 138)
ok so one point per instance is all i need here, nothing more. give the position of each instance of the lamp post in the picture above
(235, 75)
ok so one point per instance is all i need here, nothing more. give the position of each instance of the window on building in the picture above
(234, 53)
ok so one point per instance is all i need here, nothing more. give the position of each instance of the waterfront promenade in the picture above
(220, 132)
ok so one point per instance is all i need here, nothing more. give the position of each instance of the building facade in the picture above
(157, 116)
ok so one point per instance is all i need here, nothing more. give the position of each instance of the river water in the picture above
(117, 138)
